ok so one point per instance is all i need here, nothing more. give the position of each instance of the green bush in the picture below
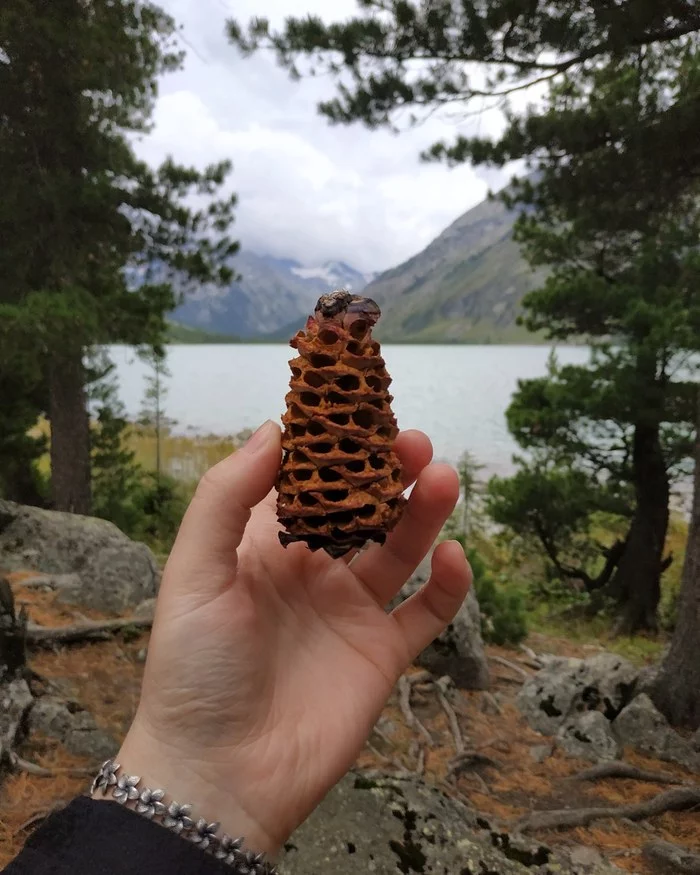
(503, 617)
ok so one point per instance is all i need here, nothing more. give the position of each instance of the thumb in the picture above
(204, 553)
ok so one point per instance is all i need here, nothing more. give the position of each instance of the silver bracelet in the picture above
(126, 790)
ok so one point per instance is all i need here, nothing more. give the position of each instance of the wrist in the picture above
(190, 781)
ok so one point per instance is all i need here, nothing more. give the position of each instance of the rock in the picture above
(566, 687)
(142, 655)
(15, 701)
(641, 726)
(695, 741)
(73, 726)
(406, 826)
(541, 752)
(589, 737)
(112, 573)
(585, 858)
(459, 651)
(146, 610)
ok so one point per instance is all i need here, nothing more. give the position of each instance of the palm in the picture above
(274, 664)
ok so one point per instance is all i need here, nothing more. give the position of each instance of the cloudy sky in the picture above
(306, 190)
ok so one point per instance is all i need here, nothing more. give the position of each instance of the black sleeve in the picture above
(102, 838)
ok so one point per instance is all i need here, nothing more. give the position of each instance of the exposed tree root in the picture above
(625, 770)
(90, 630)
(671, 800)
(513, 666)
(441, 687)
(407, 711)
(22, 765)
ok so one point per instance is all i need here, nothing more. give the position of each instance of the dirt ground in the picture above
(504, 784)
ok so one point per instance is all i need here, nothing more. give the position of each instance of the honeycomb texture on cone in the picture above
(340, 484)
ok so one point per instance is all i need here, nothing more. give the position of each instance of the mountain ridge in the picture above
(466, 286)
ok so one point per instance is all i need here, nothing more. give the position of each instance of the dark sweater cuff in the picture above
(103, 838)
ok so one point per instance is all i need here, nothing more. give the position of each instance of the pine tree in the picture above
(152, 414)
(77, 81)
(615, 159)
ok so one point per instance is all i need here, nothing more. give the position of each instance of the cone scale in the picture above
(340, 484)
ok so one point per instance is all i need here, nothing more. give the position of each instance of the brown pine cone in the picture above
(340, 484)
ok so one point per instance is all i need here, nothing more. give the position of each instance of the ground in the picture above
(105, 677)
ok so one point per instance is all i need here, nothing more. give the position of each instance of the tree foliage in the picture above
(609, 206)
(402, 58)
(77, 83)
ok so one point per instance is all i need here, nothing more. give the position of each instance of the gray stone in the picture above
(641, 726)
(142, 655)
(459, 651)
(392, 827)
(566, 687)
(541, 752)
(113, 573)
(589, 737)
(585, 858)
(73, 726)
(15, 701)
(695, 741)
(146, 610)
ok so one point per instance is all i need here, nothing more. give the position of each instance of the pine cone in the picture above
(340, 484)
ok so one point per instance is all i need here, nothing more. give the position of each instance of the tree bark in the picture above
(676, 691)
(13, 629)
(637, 582)
(70, 433)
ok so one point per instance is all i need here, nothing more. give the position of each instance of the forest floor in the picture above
(503, 782)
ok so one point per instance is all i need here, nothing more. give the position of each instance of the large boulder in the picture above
(73, 726)
(642, 726)
(112, 573)
(388, 828)
(567, 687)
(459, 651)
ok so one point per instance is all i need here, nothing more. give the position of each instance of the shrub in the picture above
(503, 618)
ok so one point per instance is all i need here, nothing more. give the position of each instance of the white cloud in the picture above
(307, 190)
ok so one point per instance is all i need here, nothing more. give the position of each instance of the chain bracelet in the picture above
(127, 791)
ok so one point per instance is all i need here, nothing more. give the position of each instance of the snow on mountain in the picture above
(271, 294)
(335, 274)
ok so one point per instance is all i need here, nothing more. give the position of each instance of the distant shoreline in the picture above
(203, 338)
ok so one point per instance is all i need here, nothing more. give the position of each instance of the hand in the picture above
(267, 668)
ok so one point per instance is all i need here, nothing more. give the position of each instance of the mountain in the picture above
(466, 286)
(271, 294)
(335, 275)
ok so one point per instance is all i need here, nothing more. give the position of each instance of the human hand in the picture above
(267, 668)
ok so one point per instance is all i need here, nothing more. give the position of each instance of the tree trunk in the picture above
(637, 583)
(13, 631)
(70, 433)
(676, 691)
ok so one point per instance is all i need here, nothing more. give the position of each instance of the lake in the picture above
(458, 395)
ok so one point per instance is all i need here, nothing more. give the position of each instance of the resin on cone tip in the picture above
(340, 484)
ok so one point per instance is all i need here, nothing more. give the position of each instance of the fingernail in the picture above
(258, 440)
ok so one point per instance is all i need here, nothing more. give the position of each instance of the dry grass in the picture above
(105, 677)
